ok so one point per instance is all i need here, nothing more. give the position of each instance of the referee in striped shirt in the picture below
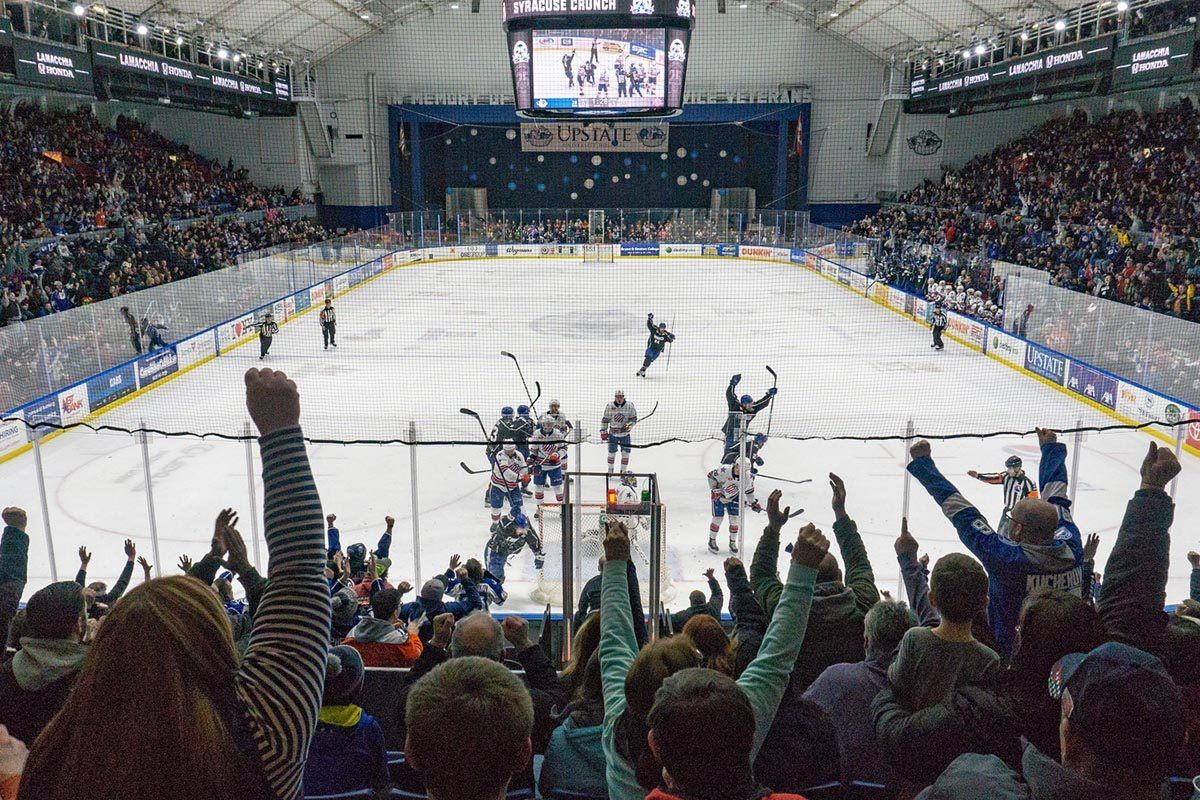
(1017, 486)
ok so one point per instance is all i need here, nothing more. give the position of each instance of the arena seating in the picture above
(64, 173)
(1036, 201)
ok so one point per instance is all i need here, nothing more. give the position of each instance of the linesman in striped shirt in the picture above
(1017, 486)
(329, 324)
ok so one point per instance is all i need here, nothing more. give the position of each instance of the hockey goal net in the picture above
(553, 521)
(598, 253)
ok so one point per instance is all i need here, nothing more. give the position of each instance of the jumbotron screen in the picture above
(583, 69)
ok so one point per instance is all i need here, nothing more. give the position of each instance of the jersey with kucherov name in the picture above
(508, 470)
(618, 419)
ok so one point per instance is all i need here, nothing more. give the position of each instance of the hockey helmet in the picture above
(760, 439)
(619, 394)
(520, 520)
(554, 405)
(747, 400)
(523, 411)
(509, 447)
(1013, 462)
(506, 411)
(546, 421)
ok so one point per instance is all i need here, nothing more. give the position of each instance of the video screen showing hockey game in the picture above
(599, 68)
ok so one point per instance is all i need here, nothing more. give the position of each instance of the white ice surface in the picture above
(846, 366)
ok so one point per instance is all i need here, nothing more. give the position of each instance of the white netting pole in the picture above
(144, 438)
(741, 462)
(1073, 479)
(909, 433)
(1180, 435)
(41, 482)
(252, 492)
(416, 515)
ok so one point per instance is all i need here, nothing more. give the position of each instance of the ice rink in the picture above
(418, 343)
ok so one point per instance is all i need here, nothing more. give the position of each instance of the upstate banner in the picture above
(594, 137)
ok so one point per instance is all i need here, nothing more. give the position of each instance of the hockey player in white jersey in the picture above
(627, 491)
(509, 473)
(561, 423)
(618, 420)
(724, 483)
(548, 458)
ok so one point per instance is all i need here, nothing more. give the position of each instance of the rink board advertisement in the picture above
(197, 348)
(73, 404)
(1193, 429)
(754, 251)
(681, 250)
(1095, 386)
(1047, 363)
(639, 248)
(13, 435)
(1141, 405)
(43, 412)
(594, 137)
(1008, 349)
(157, 365)
(112, 386)
(967, 329)
(233, 331)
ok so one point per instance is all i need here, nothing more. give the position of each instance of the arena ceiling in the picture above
(314, 29)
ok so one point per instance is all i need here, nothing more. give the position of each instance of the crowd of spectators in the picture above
(1106, 207)
(1006, 673)
(125, 188)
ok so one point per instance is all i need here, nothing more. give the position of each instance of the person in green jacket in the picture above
(834, 634)
(764, 680)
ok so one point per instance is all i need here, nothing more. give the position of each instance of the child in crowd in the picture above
(932, 662)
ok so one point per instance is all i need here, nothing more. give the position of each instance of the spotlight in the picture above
(1122, 6)
(1060, 25)
(364, 15)
(980, 49)
(178, 41)
(1024, 36)
(237, 57)
(79, 10)
(142, 30)
(222, 54)
(833, 15)
(966, 54)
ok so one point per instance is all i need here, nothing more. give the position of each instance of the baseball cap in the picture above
(1123, 704)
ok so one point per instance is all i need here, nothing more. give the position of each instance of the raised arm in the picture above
(283, 670)
(916, 579)
(766, 678)
(618, 645)
(1135, 578)
(860, 578)
(716, 598)
(973, 529)
(110, 597)
(748, 616)
(763, 569)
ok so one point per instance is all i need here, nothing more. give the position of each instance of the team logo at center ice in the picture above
(676, 51)
(520, 53)
(641, 7)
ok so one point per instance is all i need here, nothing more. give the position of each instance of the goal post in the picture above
(598, 253)
(573, 540)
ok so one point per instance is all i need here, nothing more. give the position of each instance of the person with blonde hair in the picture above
(162, 707)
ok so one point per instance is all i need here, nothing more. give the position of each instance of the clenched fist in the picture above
(272, 400)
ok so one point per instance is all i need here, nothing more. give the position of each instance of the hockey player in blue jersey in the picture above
(548, 456)
(753, 445)
(509, 536)
(659, 338)
(523, 427)
(744, 407)
(1044, 549)
(505, 430)
(724, 485)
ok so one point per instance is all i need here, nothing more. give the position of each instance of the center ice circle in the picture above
(587, 324)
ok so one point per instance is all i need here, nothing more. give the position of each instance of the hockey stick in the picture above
(774, 384)
(532, 402)
(470, 471)
(487, 436)
(785, 480)
(648, 416)
(669, 346)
